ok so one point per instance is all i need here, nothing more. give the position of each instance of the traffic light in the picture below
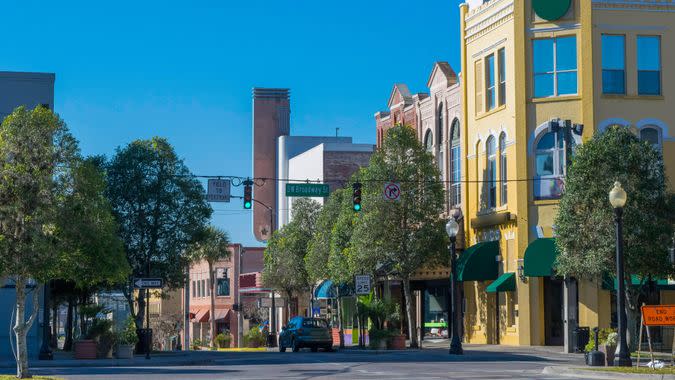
(356, 197)
(248, 195)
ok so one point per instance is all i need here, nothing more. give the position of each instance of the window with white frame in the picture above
(429, 142)
(491, 172)
(554, 66)
(553, 152)
(456, 163)
(441, 147)
(501, 73)
(503, 167)
(490, 90)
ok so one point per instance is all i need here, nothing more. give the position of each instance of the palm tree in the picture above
(212, 246)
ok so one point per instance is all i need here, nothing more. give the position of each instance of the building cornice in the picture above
(494, 15)
(635, 5)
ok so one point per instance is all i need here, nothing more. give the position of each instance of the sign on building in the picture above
(218, 190)
(392, 191)
(307, 190)
(362, 284)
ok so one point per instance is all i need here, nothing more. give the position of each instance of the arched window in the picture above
(651, 135)
(439, 145)
(491, 172)
(554, 151)
(429, 142)
(502, 167)
(456, 165)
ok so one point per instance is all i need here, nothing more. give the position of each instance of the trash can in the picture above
(143, 336)
(580, 338)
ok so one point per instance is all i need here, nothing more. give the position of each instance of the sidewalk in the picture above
(178, 358)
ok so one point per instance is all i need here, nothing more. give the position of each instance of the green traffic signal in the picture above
(247, 205)
(357, 207)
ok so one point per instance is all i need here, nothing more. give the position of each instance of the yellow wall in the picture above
(512, 25)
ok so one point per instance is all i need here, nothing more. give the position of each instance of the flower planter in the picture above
(125, 351)
(253, 344)
(85, 349)
(397, 342)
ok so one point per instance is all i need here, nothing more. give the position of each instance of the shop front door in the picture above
(554, 312)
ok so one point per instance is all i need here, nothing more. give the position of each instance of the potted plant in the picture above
(126, 340)
(92, 328)
(378, 338)
(196, 344)
(223, 340)
(254, 338)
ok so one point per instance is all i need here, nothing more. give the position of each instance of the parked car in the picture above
(305, 332)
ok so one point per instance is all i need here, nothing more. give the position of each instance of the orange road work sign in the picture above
(658, 315)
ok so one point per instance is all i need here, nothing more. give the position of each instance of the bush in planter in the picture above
(104, 344)
(603, 334)
(196, 344)
(254, 337)
(223, 340)
(378, 338)
(126, 340)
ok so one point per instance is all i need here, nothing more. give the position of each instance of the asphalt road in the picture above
(426, 364)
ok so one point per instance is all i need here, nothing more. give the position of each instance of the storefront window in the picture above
(436, 311)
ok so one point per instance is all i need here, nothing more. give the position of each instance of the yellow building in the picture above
(539, 77)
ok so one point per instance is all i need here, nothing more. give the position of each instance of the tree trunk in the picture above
(22, 326)
(55, 326)
(68, 344)
(212, 309)
(409, 314)
(633, 318)
(140, 314)
(340, 327)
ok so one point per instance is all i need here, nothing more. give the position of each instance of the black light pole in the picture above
(452, 228)
(617, 197)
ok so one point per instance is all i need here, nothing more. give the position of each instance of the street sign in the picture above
(392, 191)
(307, 190)
(658, 315)
(267, 302)
(218, 190)
(148, 283)
(362, 284)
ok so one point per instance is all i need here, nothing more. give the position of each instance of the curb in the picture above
(104, 363)
(588, 374)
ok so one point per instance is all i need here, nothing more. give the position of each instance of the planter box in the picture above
(85, 349)
(397, 342)
(125, 351)
(609, 354)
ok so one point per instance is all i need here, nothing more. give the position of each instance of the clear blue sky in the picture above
(135, 69)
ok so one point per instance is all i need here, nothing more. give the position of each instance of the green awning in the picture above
(539, 257)
(609, 282)
(505, 283)
(478, 262)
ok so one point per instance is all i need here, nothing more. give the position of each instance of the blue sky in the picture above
(129, 70)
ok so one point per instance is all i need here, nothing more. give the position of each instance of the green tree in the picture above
(318, 252)
(406, 234)
(585, 220)
(160, 208)
(284, 258)
(212, 246)
(37, 151)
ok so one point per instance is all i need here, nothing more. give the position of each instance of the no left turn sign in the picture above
(392, 191)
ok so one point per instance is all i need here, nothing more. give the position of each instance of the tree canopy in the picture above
(406, 234)
(284, 258)
(585, 220)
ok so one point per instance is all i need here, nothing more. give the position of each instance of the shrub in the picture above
(612, 339)
(196, 344)
(223, 340)
(376, 336)
(603, 334)
(254, 337)
(128, 334)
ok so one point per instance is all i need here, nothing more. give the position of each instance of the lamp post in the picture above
(617, 198)
(452, 227)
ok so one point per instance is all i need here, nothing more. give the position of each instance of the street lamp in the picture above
(452, 228)
(617, 198)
